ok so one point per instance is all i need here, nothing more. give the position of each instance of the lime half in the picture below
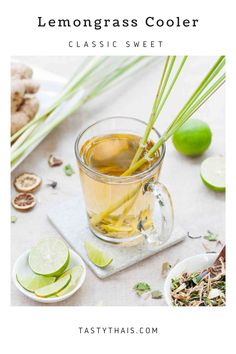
(54, 288)
(50, 257)
(75, 273)
(34, 281)
(97, 256)
(213, 173)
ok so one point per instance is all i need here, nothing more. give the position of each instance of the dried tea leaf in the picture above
(141, 288)
(156, 294)
(211, 236)
(68, 170)
(13, 219)
(165, 269)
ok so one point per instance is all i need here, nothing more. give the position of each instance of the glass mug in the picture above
(122, 210)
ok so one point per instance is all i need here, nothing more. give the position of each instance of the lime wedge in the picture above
(97, 256)
(53, 288)
(75, 273)
(34, 281)
(213, 173)
(50, 257)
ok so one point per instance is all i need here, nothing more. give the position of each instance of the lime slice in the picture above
(75, 273)
(213, 173)
(53, 288)
(192, 138)
(33, 282)
(50, 257)
(97, 256)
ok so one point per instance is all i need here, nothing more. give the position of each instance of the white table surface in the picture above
(197, 209)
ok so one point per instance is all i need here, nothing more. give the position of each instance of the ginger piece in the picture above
(24, 106)
(25, 114)
(18, 89)
(21, 71)
(17, 95)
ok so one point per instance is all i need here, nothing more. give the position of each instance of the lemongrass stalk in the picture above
(155, 105)
(162, 89)
(157, 113)
(126, 210)
(171, 86)
(101, 86)
(175, 126)
(208, 78)
(157, 98)
(97, 218)
(197, 104)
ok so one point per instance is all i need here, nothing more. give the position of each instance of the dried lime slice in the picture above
(24, 201)
(50, 257)
(97, 256)
(33, 282)
(27, 182)
(53, 288)
(75, 273)
(213, 173)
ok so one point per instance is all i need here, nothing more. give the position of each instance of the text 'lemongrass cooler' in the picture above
(123, 210)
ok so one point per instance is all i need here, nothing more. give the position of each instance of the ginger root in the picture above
(24, 106)
(27, 111)
(21, 71)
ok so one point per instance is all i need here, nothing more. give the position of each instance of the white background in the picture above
(47, 330)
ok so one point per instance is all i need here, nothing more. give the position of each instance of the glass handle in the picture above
(162, 216)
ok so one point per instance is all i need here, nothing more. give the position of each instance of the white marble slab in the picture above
(70, 220)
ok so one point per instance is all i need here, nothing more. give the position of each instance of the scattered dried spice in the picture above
(211, 236)
(68, 170)
(205, 288)
(13, 219)
(52, 184)
(193, 237)
(156, 294)
(166, 266)
(53, 161)
(141, 288)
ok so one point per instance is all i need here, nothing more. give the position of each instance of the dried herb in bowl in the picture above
(204, 288)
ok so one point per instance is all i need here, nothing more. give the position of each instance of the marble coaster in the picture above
(71, 222)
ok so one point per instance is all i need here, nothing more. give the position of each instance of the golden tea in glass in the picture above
(122, 209)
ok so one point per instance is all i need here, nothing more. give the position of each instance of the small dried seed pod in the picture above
(53, 161)
(24, 201)
(27, 182)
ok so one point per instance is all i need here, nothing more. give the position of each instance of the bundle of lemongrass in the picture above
(208, 86)
(96, 75)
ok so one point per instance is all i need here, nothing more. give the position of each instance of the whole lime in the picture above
(193, 138)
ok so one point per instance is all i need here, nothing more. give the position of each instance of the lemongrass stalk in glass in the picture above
(203, 92)
(159, 103)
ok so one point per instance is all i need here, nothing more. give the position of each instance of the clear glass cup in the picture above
(125, 210)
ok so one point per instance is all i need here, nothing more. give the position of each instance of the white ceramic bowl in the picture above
(22, 262)
(190, 264)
